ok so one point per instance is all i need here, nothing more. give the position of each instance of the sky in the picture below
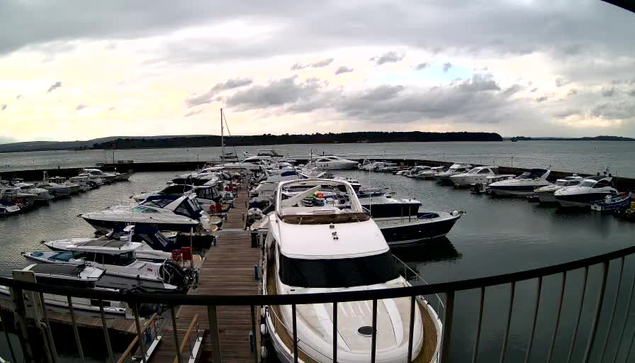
(77, 70)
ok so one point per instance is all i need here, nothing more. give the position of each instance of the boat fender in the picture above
(263, 352)
(263, 329)
(262, 312)
(176, 255)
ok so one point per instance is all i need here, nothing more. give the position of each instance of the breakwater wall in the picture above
(622, 183)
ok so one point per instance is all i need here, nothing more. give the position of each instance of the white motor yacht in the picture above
(454, 169)
(332, 162)
(166, 212)
(589, 190)
(41, 195)
(321, 241)
(475, 175)
(546, 194)
(206, 195)
(94, 173)
(412, 173)
(522, 185)
(122, 268)
(430, 173)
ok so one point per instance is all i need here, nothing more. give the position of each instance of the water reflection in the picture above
(440, 249)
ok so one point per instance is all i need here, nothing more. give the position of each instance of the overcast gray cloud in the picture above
(318, 64)
(276, 93)
(80, 107)
(572, 92)
(421, 66)
(3, 107)
(542, 99)
(208, 97)
(192, 113)
(54, 86)
(608, 92)
(388, 57)
(447, 66)
(343, 69)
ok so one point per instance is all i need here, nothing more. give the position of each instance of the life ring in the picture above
(176, 255)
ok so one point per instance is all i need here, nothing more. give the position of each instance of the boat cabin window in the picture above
(144, 209)
(343, 272)
(176, 189)
(602, 184)
(484, 171)
(159, 203)
(588, 183)
(118, 260)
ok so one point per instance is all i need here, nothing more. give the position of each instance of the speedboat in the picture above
(94, 173)
(55, 190)
(423, 226)
(430, 173)
(545, 194)
(122, 268)
(123, 176)
(522, 185)
(321, 241)
(592, 189)
(41, 195)
(332, 162)
(165, 212)
(66, 275)
(7, 209)
(457, 168)
(206, 195)
(475, 175)
(412, 173)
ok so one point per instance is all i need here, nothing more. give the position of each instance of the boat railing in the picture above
(571, 301)
(413, 277)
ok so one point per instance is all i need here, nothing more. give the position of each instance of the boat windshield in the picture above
(144, 209)
(343, 272)
(588, 183)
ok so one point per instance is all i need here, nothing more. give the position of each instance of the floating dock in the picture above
(228, 269)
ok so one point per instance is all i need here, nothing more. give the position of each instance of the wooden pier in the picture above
(228, 269)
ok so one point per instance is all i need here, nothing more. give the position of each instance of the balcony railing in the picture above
(603, 305)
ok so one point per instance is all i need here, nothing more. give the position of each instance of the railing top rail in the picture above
(246, 300)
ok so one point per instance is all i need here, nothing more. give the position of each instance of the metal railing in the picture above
(592, 342)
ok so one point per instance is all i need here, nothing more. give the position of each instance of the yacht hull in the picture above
(404, 232)
(513, 191)
(386, 210)
(107, 226)
(580, 200)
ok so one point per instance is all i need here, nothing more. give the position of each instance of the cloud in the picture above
(343, 69)
(388, 57)
(80, 107)
(54, 86)
(208, 97)
(421, 66)
(281, 92)
(192, 113)
(18, 97)
(631, 93)
(567, 112)
(318, 64)
(572, 92)
(3, 107)
(446, 67)
(542, 99)
(561, 82)
(111, 108)
(608, 92)
(534, 90)
(513, 89)
(615, 111)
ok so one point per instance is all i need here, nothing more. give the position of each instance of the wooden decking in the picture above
(228, 269)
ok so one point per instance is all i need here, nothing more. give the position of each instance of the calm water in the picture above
(495, 236)
(574, 156)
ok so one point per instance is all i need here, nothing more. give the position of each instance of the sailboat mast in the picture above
(222, 138)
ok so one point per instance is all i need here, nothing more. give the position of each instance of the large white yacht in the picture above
(332, 162)
(478, 174)
(546, 194)
(96, 174)
(429, 174)
(320, 240)
(454, 169)
(590, 190)
(166, 212)
(522, 185)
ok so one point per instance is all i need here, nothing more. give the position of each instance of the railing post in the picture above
(255, 332)
(617, 296)
(533, 325)
(555, 330)
(78, 341)
(335, 332)
(142, 347)
(47, 329)
(598, 311)
(411, 326)
(478, 325)
(19, 311)
(509, 321)
(577, 321)
(8, 338)
(212, 316)
(106, 334)
(373, 345)
(447, 326)
(176, 334)
(626, 315)
(295, 333)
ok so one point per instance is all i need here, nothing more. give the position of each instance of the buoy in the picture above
(263, 352)
(263, 329)
(262, 312)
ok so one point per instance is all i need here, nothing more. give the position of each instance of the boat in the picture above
(84, 183)
(66, 275)
(332, 162)
(155, 246)
(409, 230)
(412, 173)
(165, 212)
(328, 244)
(206, 195)
(430, 173)
(475, 175)
(591, 189)
(383, 205)
(545, 194)
(57, 191)
(483, 188)
(456, 168)
(97, 174)
(8, 209)
(613, 203)
(123, 176)
(122, 268)
(522, 185)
